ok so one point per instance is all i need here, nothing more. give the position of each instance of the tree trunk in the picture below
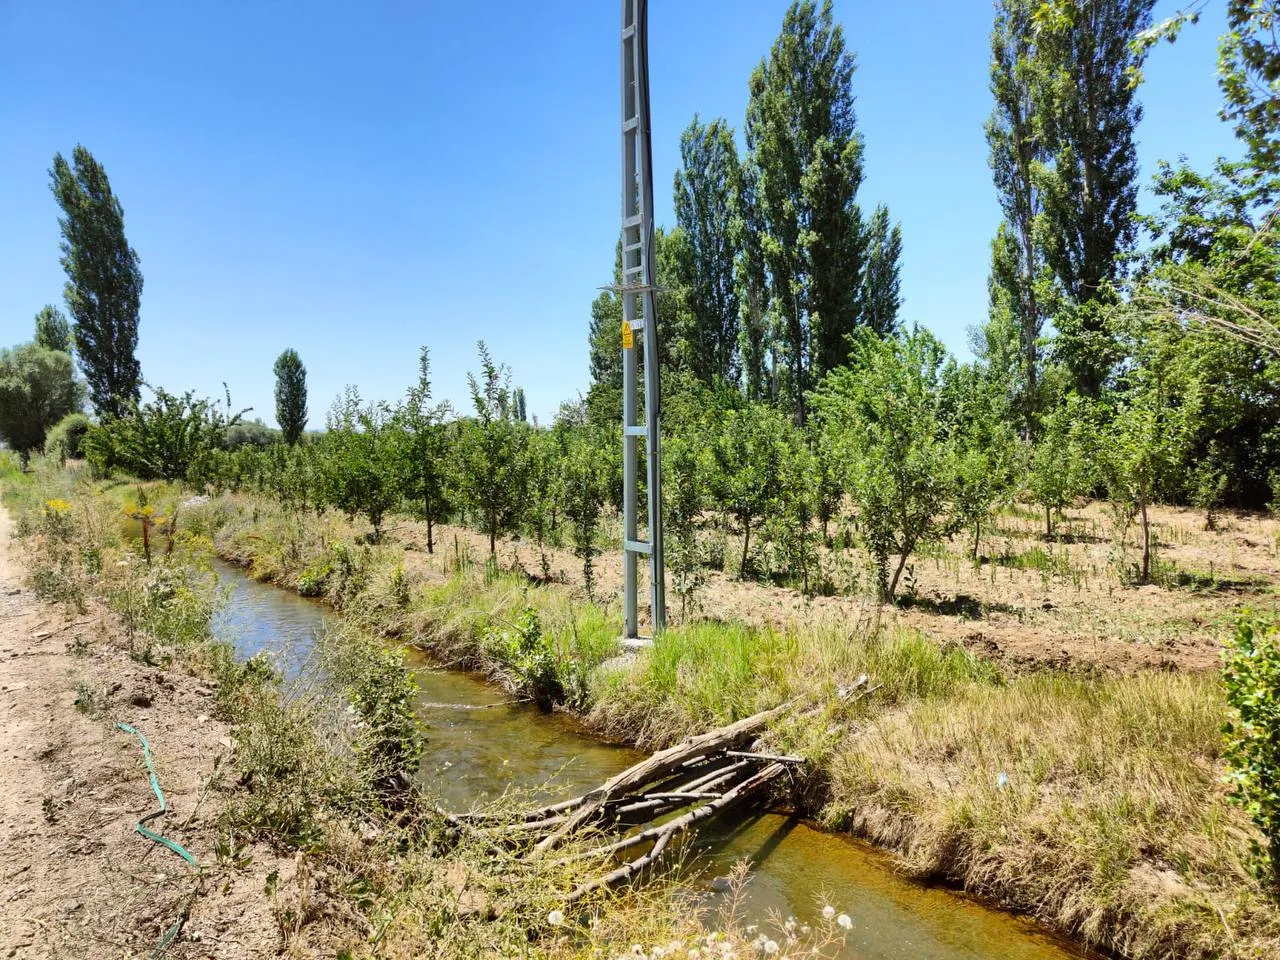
(1146, 541)
(426, 508)
(746, 543)
(893, 584)
(493, 539)
(977, 533)
(1048, 522)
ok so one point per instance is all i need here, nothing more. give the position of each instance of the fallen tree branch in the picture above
(659, 765)
(662, 835)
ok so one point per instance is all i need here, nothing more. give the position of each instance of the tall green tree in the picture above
(806, 153)
(882, 281)
(1017, 156)
(1087, 112)
(750, 277)
(707, 188)
(52, 330)
(37, 389)
(291, 395)
(104, 283)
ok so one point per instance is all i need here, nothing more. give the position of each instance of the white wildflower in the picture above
(844, 921)
(828, 912)
(770, 947)
(555, 918)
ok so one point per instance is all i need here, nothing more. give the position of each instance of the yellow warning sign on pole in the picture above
(628, 336)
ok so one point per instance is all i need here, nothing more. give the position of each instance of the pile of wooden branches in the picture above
(695, 780)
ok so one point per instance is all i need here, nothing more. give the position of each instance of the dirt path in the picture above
(76, 880)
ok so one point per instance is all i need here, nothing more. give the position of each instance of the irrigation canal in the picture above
(474, 755)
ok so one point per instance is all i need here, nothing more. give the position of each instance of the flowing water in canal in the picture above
(474, 755)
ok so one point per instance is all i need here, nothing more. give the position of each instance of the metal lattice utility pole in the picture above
(639, 315)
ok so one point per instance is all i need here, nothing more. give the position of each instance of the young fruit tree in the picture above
(748, 460)
(883, 415)
(585, 486)
(987, 453)
(683, 489)
(1063, 464)
(424, 460)
(492, 452)
(545, 477)
(168, 438)
(358, 459)
(1144, 446)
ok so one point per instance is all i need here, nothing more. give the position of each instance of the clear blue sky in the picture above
(354, 180)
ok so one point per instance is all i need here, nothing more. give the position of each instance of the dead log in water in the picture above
(661, 764)
(692, 781)
(663, 834)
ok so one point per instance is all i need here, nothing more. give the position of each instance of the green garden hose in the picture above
(141, 827)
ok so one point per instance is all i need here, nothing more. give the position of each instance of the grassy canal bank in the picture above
(302, 811)
(1090, 801)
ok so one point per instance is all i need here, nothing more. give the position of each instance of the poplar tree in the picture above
(882, 281)
(104, 283)
(707, 186)
(1088, 110)
(806, 153)
(52, 330)
(291, 395)
(1019, 274)
(751, 281)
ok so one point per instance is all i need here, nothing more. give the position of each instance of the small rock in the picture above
(203, 718)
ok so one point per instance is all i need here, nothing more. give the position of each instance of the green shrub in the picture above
(169, 438)
(64, 441)
(527, 651)
(1252, 677)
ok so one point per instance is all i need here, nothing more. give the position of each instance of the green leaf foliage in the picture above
(1252, 679)
(37, 389)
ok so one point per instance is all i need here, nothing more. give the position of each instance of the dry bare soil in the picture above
(76, 880)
